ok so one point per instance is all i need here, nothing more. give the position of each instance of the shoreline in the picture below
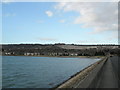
(72, 76)
(94, 57)
(79, 75)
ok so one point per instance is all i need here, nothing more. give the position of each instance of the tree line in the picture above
(54, 50)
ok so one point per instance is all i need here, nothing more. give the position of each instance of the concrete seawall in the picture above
(85, 78)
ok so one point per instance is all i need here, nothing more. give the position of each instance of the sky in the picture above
(59, 22)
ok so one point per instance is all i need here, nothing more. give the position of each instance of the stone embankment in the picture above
(85, 78)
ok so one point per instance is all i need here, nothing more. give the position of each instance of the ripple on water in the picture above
(40, 72)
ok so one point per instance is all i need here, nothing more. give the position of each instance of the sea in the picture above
(40, 72)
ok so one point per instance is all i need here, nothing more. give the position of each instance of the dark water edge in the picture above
(95, 57)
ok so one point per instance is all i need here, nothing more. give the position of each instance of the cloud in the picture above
(49, 13)
(102, 16)
(7, 1)
(87, 41)
(113, 36)
(62, 21)
(62, 0)
(9, 14)
(40, 21)
(47, 39)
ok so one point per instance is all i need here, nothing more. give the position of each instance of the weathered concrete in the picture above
(84, 78)
(116, 67)
(108, 77)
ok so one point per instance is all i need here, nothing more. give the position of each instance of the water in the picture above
(40, 72)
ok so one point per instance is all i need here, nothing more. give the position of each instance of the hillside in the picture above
(59, 49)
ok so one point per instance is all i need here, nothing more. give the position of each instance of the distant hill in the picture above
(58, 49)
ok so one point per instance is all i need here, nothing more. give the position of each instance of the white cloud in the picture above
(9, 14)
(113, 36)
(40, 21)
(7, 1)
(102, 16)
(62, 21)
(49, 13)
(46, 39)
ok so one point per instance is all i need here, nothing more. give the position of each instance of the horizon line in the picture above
(53, 44)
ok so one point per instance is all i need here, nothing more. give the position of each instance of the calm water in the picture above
(40, 72)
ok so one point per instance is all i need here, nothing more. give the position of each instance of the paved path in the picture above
(108, 76)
